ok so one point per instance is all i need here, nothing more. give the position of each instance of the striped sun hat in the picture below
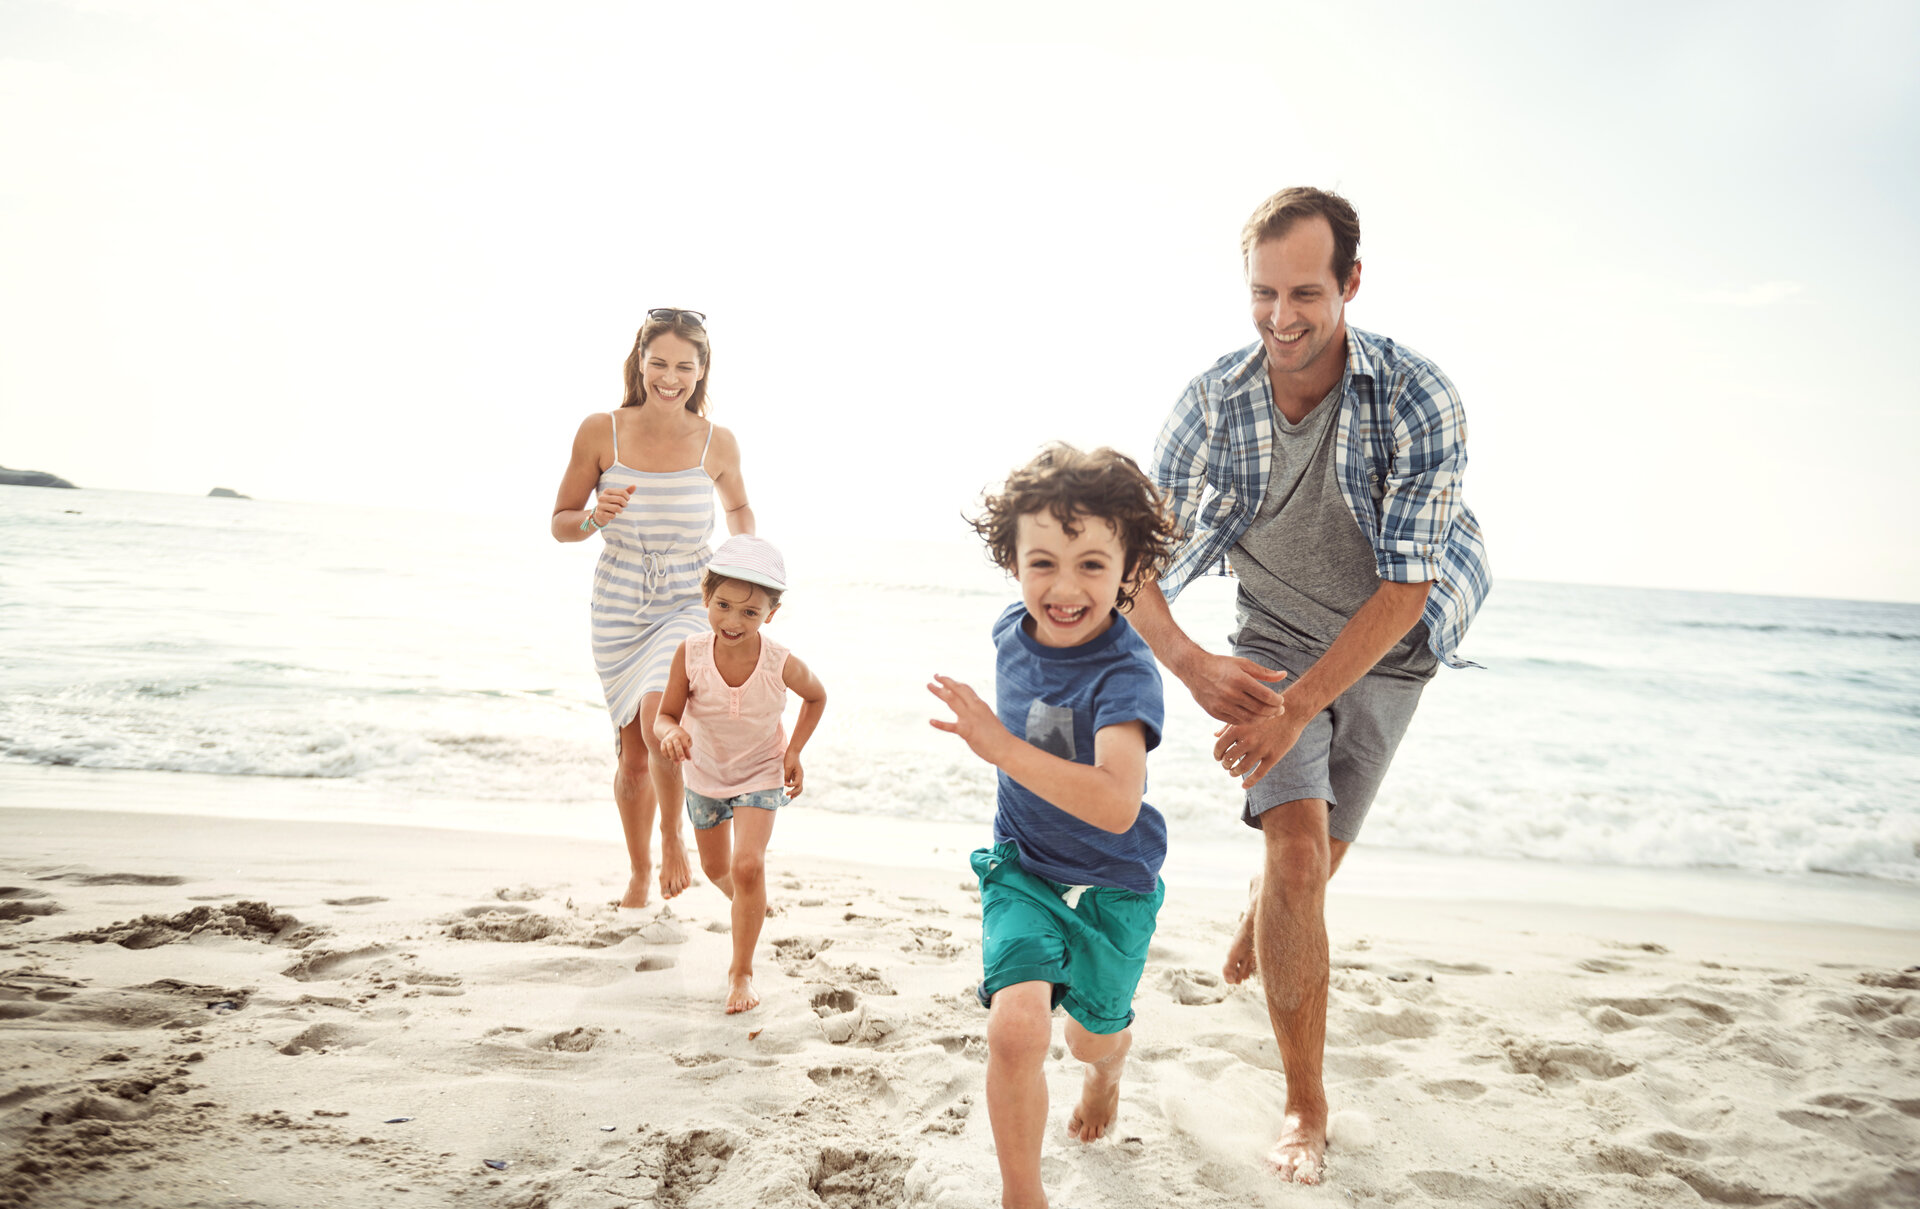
(752, 559)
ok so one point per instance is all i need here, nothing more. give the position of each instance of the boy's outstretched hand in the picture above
(973, 719)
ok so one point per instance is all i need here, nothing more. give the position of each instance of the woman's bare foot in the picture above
(740, 994)
(1099, 1096)
(638, 888)
(1301, 1153)
(1241, 964)
(675, 874)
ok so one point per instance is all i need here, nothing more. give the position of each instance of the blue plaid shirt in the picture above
(1400, 452)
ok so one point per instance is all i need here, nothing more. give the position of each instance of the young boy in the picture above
(1070, 890)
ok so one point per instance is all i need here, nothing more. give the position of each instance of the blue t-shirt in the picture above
(1056, 698)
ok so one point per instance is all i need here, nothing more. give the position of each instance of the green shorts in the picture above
(1093, 953)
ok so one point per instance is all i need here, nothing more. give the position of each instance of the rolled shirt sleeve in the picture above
(1422, 495)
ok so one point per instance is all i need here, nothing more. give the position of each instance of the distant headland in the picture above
(40, 478)
(31, 478)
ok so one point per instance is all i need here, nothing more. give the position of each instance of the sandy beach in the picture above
(202, 1011)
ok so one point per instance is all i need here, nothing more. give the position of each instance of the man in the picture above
(1330, 461)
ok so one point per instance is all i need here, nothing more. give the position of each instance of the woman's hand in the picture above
(675, 743)
(611, 503)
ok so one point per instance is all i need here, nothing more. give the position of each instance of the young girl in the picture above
(721, 715)
(656, 464)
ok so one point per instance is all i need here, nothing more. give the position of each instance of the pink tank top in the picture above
(738, 743)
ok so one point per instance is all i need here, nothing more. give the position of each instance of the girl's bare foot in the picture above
(1301, 1153)
(675, 874)
(740, 994)
(637, 888)
(1241, 964)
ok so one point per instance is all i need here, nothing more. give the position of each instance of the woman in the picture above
(655, 463)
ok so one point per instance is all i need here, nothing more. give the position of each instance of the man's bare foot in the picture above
(675, 874)
(740, 994)
(1099, 1096)
(1241, 963)
(1301, 1153)
(638, 888)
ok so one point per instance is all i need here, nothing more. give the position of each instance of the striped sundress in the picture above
(646, 588)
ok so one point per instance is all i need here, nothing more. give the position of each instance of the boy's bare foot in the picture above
(1241, 964)
(1099, 1096)
(675, 874)
(1301, 1153)
(638, 888)
(740, 994)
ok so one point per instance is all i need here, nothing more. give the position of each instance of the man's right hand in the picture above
(1232, 689)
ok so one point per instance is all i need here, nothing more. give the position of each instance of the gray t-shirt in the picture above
(1304, 566)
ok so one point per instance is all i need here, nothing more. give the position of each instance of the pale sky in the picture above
(393, 252)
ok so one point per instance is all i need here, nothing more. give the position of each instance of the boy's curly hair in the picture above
(1073, 486)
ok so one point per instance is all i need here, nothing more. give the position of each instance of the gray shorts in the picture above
(705, 812)
(1343, 754)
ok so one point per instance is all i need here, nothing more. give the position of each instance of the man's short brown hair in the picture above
(1074, 486)
(1277, 215)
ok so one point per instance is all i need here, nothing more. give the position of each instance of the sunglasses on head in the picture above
(670, 315)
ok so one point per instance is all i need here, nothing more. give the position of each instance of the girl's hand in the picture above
(611, 503)
(794, 773)
(676, 744)
(973, 719)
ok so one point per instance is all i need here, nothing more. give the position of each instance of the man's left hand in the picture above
(1249, 750)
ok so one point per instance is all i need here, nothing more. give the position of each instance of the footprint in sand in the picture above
(663, 931)
(794, 952)
(1252, 1049)
(433, 984)
(1603, 965)
(929, 941)
(1689, 1018)
(1869, 1009)
(844, 1017)
(864, 979)
(1869, 1124)
(1347, 1064)
(168, 1003)
(319, 1038)
(1893, 980)
(358, 900)
(20, 902)
(1644, 946)
(1403, 1023)
(690, 1162)
(331, 965)
(1455, 1089)
(1557, 1062)
(574, 1040)
(856, 1179)
(653, 962)
(567, 971)
(1193, 988)
(864, 1085)
(1480, 1190)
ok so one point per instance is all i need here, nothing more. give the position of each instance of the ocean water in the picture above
(440, 673)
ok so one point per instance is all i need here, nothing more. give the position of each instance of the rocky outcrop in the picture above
(30, 478)
(227, 493)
